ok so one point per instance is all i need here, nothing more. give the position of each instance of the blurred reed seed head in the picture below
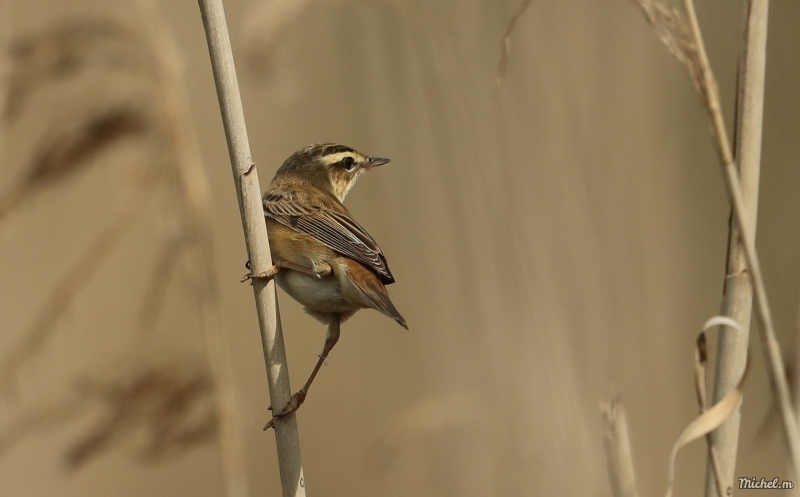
(106, 92)
(95, 84)
(165, 409)
(158, 412)
(67, 50)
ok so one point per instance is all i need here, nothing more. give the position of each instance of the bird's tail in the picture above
(371, 291)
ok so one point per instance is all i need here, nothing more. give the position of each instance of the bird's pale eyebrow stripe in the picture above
(334, 158)
(336, 149)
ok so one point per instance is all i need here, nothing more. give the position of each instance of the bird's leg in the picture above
(297, 399)
(319, 271)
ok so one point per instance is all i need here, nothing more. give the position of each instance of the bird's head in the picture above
(331, 167)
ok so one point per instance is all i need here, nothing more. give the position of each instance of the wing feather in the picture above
(331, 225)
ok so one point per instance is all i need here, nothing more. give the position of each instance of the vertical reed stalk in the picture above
(770, 345)
(737, 299)
(248, 193)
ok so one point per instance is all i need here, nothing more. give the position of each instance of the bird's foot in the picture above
(265, 275)
(294, 404)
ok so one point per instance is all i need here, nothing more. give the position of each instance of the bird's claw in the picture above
(265, 275)
(294, 404)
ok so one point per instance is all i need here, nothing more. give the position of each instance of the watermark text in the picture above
(756, 483)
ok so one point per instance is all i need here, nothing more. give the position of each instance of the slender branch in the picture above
(737, 300)
(770, 345)
(248, 192)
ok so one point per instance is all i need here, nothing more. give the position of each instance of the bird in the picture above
(321, 256)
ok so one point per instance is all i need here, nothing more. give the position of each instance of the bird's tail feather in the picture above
(373, 292)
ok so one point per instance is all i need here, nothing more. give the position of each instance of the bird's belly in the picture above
(317, 294)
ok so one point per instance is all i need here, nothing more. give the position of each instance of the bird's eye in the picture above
(348, 163)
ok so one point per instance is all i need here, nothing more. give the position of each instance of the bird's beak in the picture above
(375, 162)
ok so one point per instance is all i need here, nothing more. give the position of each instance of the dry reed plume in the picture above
(174, 405)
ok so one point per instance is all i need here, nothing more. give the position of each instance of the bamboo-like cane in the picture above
(770, 345)
(255, 233)
(737, 300)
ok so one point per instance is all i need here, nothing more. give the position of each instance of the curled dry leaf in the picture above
(700, 370)
(701, 355)
(700, 362)
(712, 418)
(722, 321)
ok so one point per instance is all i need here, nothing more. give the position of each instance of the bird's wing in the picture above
(334, 228)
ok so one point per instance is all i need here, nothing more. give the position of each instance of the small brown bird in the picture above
(321, 257)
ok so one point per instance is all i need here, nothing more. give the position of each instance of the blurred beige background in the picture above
(553, 243)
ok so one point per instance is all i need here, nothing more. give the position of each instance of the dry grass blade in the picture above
(505, 45)
(770, 344)
(707, 422)
(700, 369)
(619, 455)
